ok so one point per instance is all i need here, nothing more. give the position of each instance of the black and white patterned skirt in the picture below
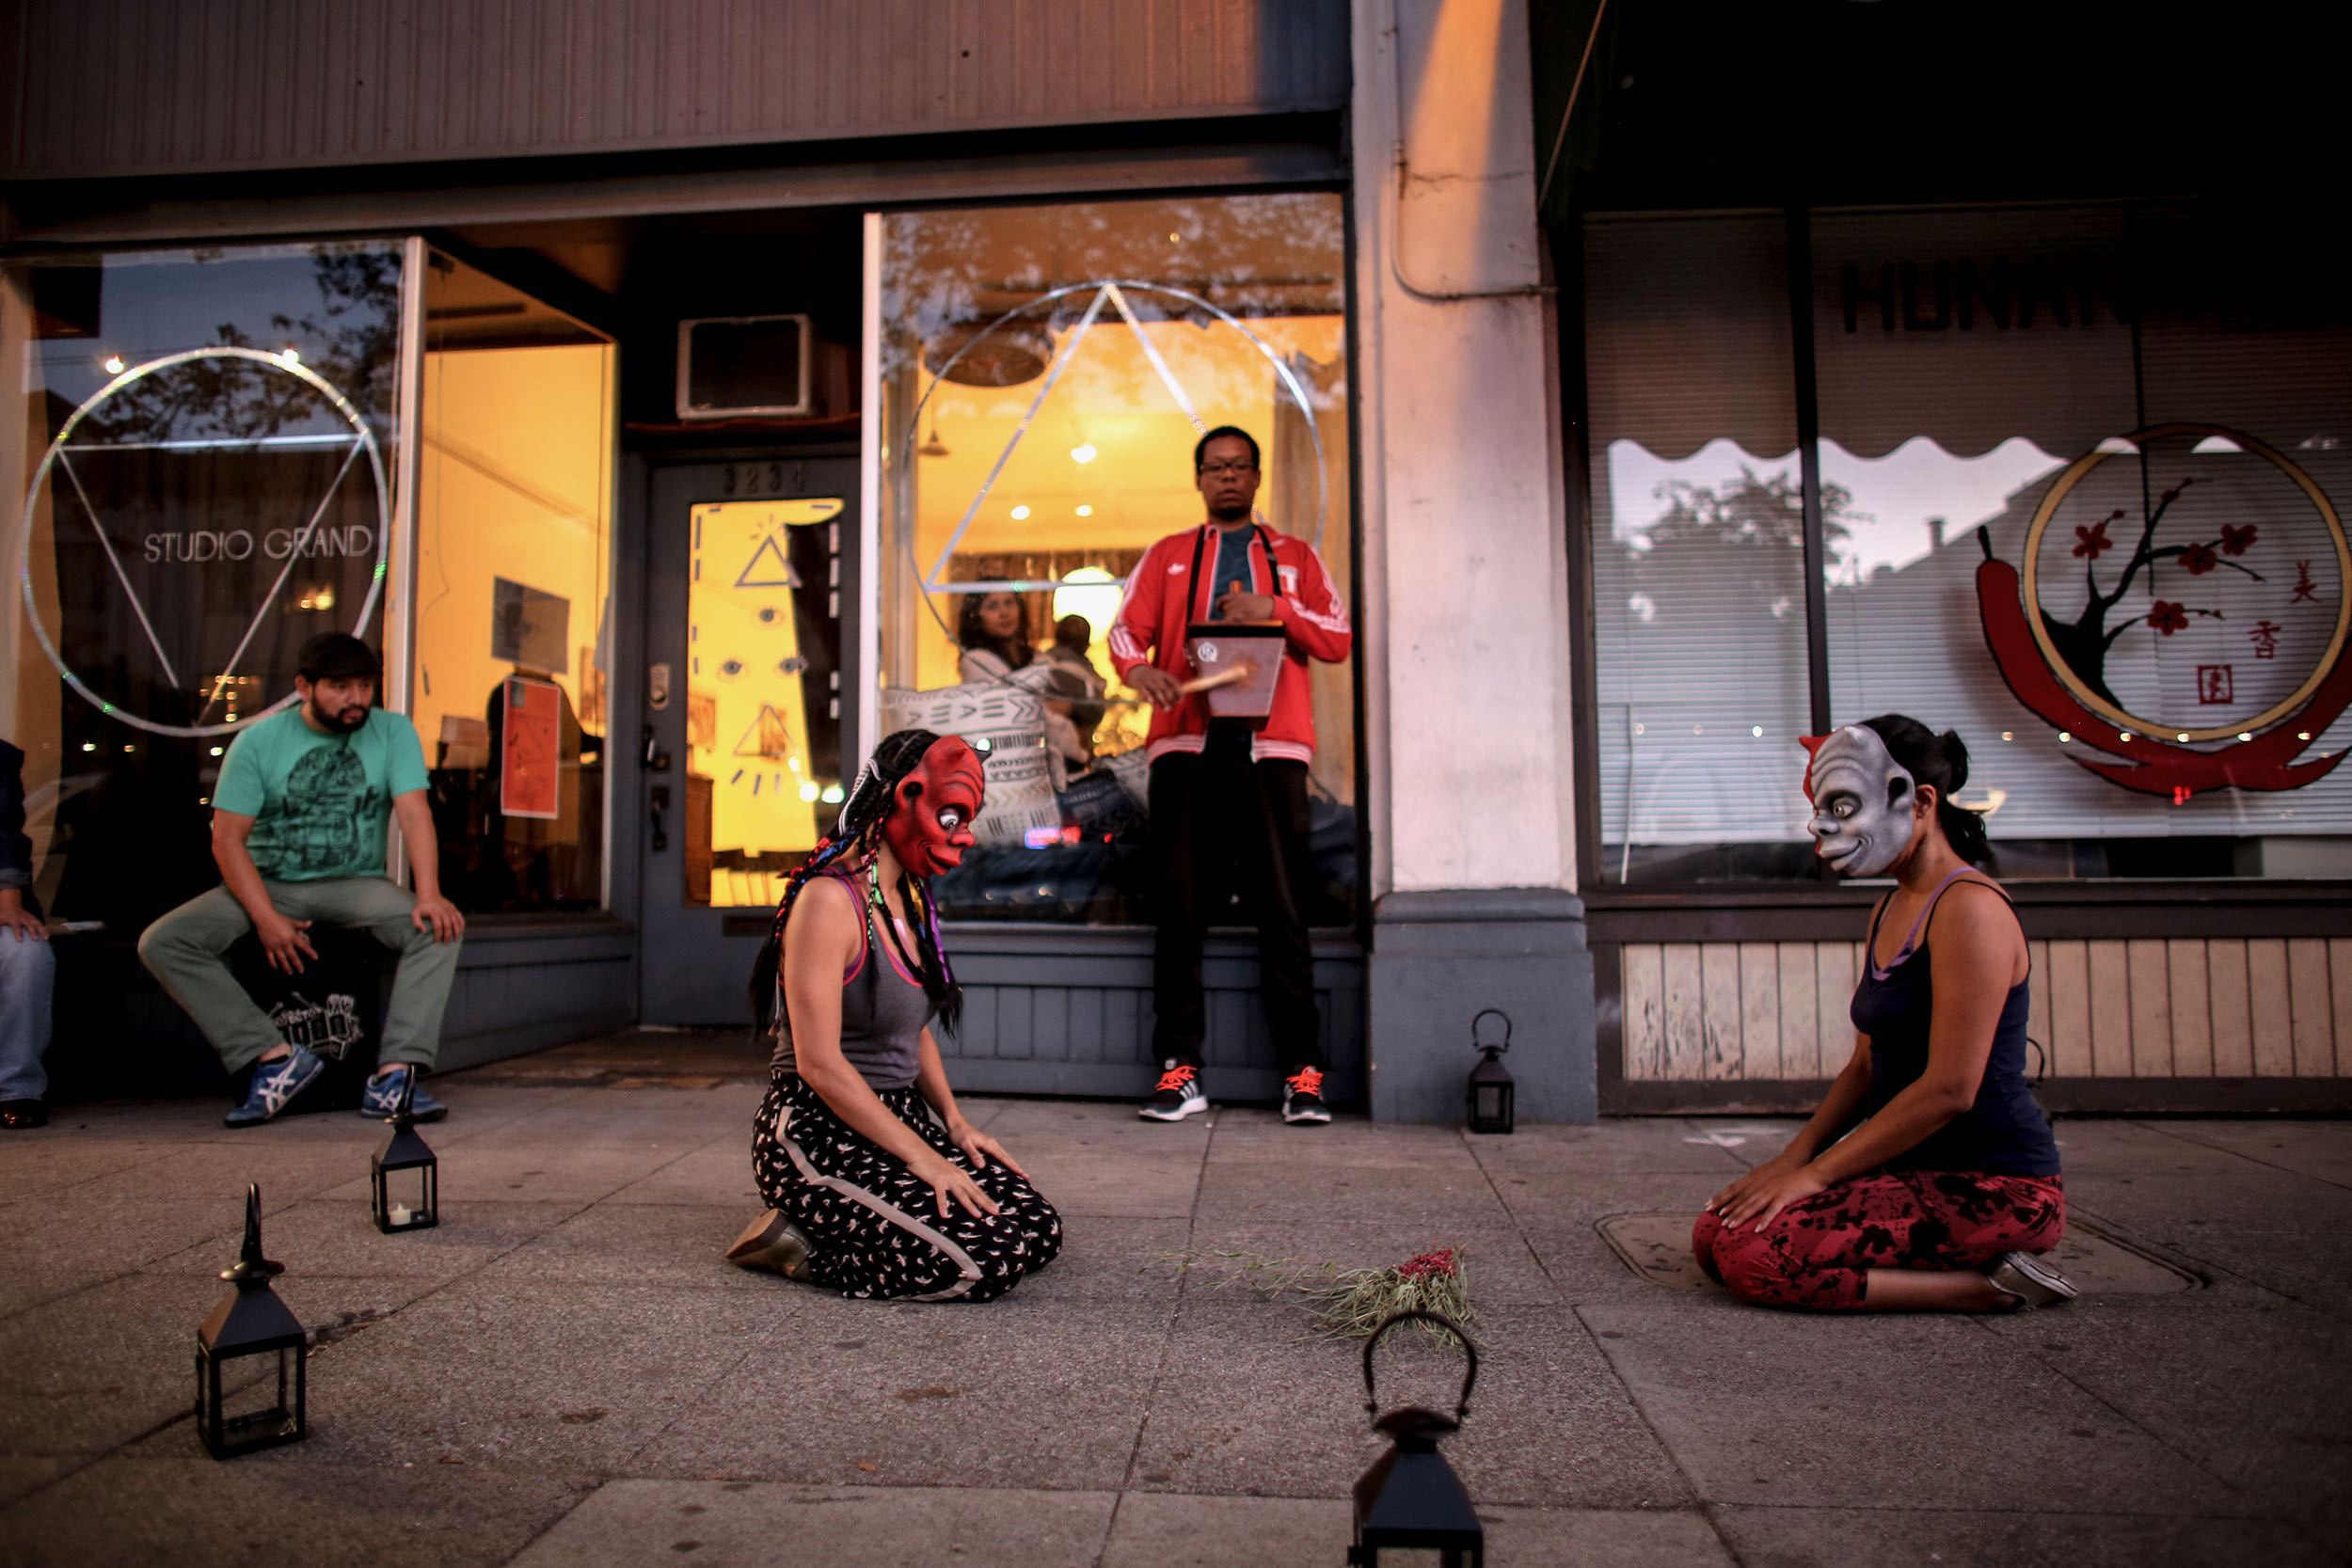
(875, 1228)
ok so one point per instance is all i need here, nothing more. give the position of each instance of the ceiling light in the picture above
(1084, 453)
(114, 364)
(1086, 512)
(1018, 512)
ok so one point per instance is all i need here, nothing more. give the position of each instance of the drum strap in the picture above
(1200, 543)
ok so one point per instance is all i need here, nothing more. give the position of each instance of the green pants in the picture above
(183, 951)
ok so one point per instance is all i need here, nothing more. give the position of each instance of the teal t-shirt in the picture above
(1232, 566)
(321, 804)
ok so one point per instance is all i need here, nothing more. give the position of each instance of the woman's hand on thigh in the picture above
(980, 1147)
(1764, 1192)
(947, 1181)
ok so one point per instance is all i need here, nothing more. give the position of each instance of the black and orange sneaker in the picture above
(1302, 1098)
(1178, 1095)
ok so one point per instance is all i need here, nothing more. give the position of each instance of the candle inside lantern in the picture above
(399, 1214)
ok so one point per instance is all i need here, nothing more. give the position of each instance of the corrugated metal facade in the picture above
(175, 87)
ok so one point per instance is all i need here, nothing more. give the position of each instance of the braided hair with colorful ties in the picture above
(852, 847)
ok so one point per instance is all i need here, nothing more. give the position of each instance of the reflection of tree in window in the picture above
(352, 340)
(1760, 514)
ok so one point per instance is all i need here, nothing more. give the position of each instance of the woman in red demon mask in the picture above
(879, 1187)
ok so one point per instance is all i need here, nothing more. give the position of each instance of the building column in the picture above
(1465, 624)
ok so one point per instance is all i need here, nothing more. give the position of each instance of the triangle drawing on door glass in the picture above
(767, 568)
(768, 737)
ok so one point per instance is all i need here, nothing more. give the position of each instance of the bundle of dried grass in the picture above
(1359, 1301)
(1349, 1304)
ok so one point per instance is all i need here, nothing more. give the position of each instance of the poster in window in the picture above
(532, 741)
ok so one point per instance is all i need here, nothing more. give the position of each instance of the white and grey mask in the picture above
(1862, 820)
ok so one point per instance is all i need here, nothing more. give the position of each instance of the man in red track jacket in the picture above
(1220, 789)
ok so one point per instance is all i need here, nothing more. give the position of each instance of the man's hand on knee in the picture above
(438, 915)
(284, 942)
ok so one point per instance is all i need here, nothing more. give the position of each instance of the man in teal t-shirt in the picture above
(300, 831)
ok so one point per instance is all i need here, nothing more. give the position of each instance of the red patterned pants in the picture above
(1814, 1253)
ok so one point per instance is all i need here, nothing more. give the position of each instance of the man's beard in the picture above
(1231, 511)
(344, 722)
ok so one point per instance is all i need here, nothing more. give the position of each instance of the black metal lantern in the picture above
(250, 1332)
(1491, 1087)
(1411, 1499)
(407, 1177)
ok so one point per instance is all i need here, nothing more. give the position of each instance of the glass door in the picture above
(749, 736)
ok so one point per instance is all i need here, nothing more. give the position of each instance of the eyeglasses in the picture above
(1229, 467)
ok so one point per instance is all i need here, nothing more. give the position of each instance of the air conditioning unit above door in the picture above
(739, 367)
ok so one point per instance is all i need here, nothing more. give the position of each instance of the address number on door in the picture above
(761, 478)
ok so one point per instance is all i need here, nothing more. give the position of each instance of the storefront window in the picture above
(200, 478)
(1986, 378)
(1698, 547)
(2081, 469)
(513, 619)
(1046, 371)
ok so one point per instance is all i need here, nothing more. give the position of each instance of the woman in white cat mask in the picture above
(1929, 1178)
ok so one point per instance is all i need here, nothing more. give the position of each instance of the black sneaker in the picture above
(1178, 1095)
(1302, 1098)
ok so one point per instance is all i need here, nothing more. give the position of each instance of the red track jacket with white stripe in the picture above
(1161, 601)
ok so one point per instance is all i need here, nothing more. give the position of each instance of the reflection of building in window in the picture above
(2167, 579)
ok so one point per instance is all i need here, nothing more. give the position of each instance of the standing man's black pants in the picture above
(1212, 811)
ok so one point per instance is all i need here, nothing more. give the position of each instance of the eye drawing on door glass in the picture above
(762, 693)
(1046, 374)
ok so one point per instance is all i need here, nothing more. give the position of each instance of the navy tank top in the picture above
(2004, 1132)
(883, 1013)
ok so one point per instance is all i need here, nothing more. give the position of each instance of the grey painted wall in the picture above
(1441, 957)
(523, 987)
(138, 87)
(1068, 1010)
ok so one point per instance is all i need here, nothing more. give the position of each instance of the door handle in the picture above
(660, 800)
(657, 760)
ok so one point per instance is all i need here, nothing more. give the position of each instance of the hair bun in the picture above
(1955, 759)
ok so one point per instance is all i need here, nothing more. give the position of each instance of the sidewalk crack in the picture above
(1167, 1345)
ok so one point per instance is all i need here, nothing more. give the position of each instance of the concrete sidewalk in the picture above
(565, 1373)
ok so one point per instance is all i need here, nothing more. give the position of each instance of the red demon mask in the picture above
(929, 826)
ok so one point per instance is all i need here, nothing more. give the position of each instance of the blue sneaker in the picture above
(275, 1085)
(381, 1098)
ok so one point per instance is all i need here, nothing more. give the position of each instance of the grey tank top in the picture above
(884, 1012)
